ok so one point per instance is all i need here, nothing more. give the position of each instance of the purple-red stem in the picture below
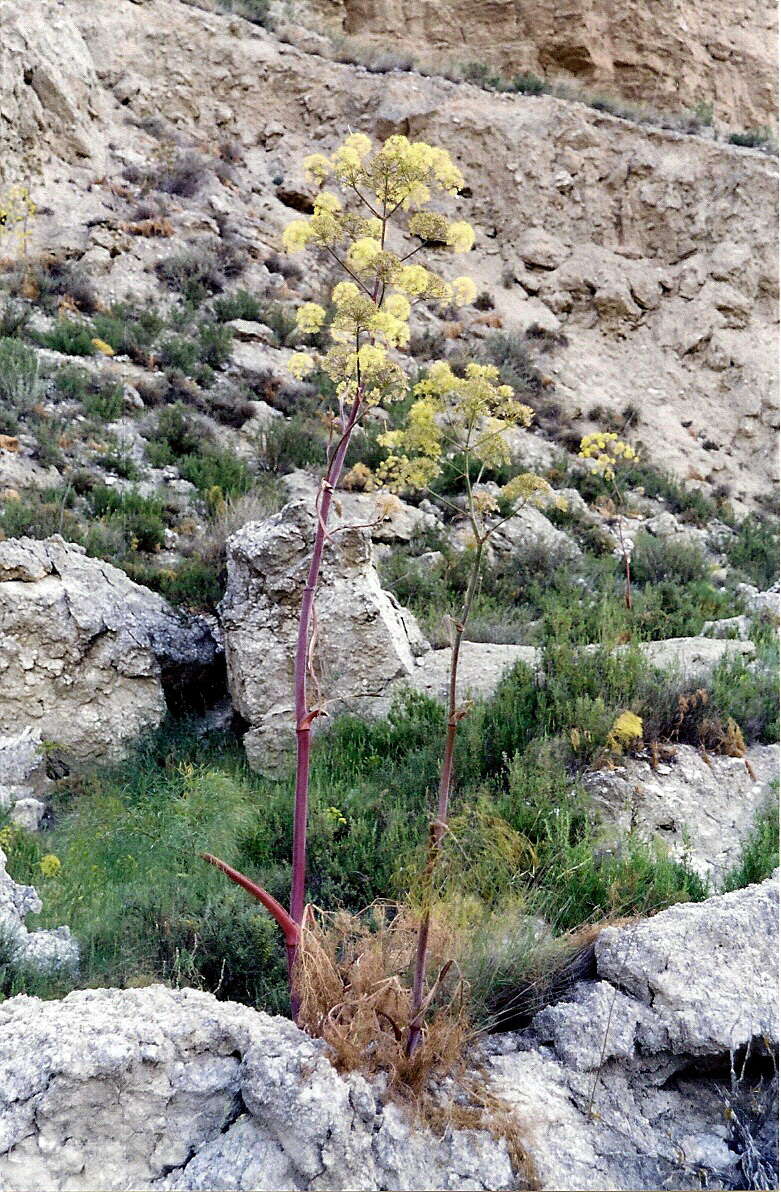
(302, 711)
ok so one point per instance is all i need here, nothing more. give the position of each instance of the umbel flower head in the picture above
(468, 415)
(605, 449)
(394, 182)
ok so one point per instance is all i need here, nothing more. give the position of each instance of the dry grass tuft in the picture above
(353, 980)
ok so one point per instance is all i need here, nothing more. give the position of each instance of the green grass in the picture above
(144, 906)
(759, 856)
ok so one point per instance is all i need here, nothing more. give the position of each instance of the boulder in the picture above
(625, 1082)
(701, 810)
(161, 1088)
(388, 518)
(364, 642)
(86, 655)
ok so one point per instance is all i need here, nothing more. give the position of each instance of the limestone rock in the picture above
(665, 55)
(668, 294)
(84, 651)
(690, 656)
(619, 1080)
(702, 811)
(206, 1094)
(616, 1086)
(46, 951)
(399, 522)
(481, 667)
(365, 641)
(706, 969)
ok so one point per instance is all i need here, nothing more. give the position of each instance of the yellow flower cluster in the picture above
(50, 865)
(371, 311)
(606, 450)
(627, 730)
(16, 209)
(452, 413)
(310, 318)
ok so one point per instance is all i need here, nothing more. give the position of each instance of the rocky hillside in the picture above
(669, 56)
(158, 471)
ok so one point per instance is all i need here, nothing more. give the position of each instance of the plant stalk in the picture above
(303, 714)
(440, 823)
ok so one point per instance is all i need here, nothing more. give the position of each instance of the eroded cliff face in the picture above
(672, 54)
(653, 252)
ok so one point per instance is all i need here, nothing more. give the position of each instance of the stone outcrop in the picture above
(622, 1084)
(701, 809)
(364, 641)
(46, 951)
(85, 653)
(626, 1082)
(204, 1094)
(22, 776)
(670, 55)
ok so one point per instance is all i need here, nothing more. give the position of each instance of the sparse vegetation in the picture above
(18, 375)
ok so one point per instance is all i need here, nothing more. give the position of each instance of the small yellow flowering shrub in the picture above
(606, 450)
(50, 865)
(627, 730)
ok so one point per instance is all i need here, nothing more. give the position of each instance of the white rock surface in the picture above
(117, 1089)
(365, 641)
(84, 650)
(44, 950)
(614, 1087)
(619, 1081)
(701, 809)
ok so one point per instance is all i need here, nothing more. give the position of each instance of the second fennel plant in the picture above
(465, 418)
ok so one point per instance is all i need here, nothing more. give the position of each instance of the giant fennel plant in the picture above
(371, 220)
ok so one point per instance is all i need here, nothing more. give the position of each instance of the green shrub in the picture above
(139, 518)
(14, 319)
(39, 515)
(215, 343)
(258, 12)
(240, 305)
(753, 138)
(176, 434)
(748, 692)
(104, 402)
(52, 280)
(290, 443)
(69, 337)
(216, 468)
(510, 353)
(753, 552)
(658, 559)
(178, 352)
(194, 583)
(195, 274)
(119, 463)
(482, 75)
(129, 330)
(529, 84)
(18, 374)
